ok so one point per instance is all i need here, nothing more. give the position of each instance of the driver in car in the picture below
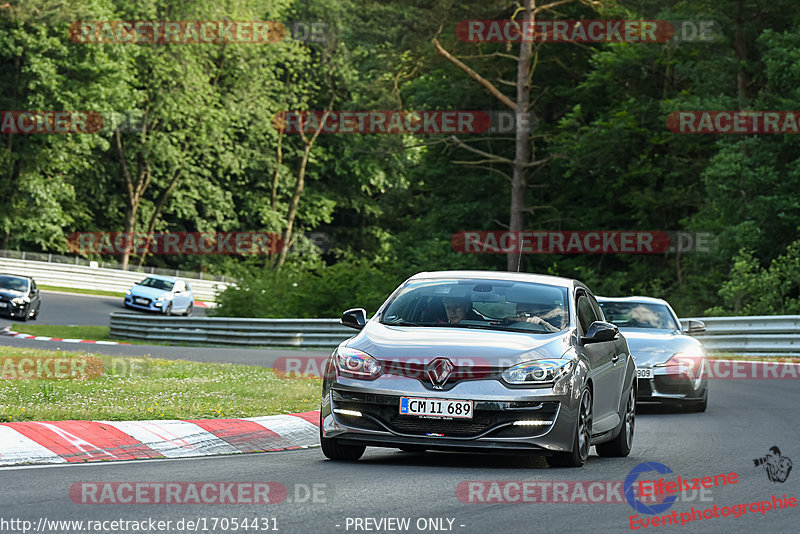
(528, 313)
(458, 309)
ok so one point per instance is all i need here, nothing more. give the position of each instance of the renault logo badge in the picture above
(439, 371)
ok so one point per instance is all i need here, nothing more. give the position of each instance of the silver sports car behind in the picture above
(481, 360)
(672, 367)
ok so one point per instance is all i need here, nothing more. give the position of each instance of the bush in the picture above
(318, 291)
(753, 290)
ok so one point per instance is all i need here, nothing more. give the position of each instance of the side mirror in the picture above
(354, 318)
(600, 331)
(695, 327)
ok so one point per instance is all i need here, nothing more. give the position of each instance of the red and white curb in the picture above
(11, 333)
(60, 442)
(201, 304)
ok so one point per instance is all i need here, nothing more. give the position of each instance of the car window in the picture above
(13, 283)
(586, 313)
(639, 315)
(598, 311)
(478, 303)
(157, 283)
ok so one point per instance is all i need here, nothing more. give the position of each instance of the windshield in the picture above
(13, 283)
(157, 284)
(486, 304)
(639, 315)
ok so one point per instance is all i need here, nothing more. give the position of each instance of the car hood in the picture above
(148, 292)
(650, 346)
(483, 347)
(10, 293)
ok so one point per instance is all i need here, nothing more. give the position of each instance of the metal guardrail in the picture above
(756, 335)
(49, 257)
(86, 277)
(326, 333)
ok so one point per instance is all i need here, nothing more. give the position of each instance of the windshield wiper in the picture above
(403, 323)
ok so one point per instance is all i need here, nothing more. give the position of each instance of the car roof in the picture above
(643, 300)
(500, 275)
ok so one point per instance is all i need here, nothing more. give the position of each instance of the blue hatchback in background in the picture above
(165, 294)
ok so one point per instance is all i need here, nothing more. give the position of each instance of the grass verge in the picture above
(102, 293)
(97, 333)
(94, 333)
(133, 388)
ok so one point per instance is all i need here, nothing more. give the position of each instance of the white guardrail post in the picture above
(96, 278)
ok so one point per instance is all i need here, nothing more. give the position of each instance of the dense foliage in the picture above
(205, 155)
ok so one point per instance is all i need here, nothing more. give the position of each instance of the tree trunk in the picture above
(295, 202)
(134, 188)
(162, 199)
(522, 154)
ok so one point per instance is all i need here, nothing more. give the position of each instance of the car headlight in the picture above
(21, 300)
(161, 299)
(537, 372)
(356, 363)
(128, 292)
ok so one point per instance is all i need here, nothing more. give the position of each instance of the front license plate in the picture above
(644, 373)
(450, 409)
(141, 301)
(3, 305)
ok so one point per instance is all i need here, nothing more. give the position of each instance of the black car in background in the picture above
(19, 297)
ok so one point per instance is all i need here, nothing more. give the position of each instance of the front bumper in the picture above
(149, 305)
(495, 410)
(670, 387)
(13, 310)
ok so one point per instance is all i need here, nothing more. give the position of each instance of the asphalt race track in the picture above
(83, 310)
(745, 418)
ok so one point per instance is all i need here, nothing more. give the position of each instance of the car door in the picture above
(35, 298)
(180, 301)
(619, 358)
(600, 357)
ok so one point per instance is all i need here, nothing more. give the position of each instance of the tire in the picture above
(36, 315)
(583, 435)
(168, 310)
(189, 309)
(24, 316)
(620, 446)
(697, 406)
(333, 450)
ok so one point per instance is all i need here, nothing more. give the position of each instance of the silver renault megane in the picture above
(481, 360)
